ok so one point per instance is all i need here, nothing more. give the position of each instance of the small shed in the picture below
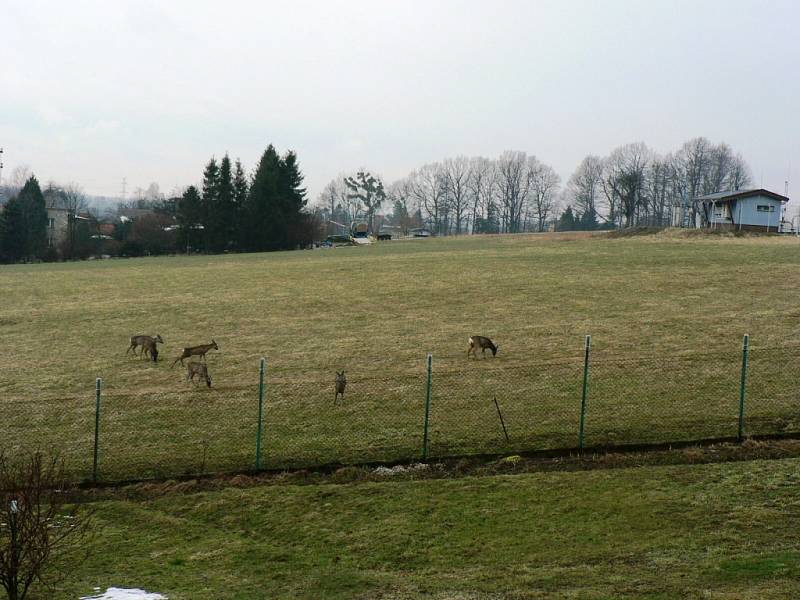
(750, 210)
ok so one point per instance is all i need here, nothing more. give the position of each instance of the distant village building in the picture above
(740, 210)
(57, 225)
(57, 217)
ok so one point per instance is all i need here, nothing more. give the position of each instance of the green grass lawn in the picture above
(705, 531)
(666, 313)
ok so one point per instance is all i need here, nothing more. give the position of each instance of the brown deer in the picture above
(149, 347)
(341, 383)
(478, 341)
(146, 342)
(196, 351)
(199, 369)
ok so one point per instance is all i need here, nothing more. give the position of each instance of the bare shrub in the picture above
(41, 534)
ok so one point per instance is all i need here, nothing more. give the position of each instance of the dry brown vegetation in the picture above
(666, 314)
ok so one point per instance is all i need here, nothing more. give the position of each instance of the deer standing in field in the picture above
(341, 383)
(151, 349)
(196, 351)
(479, 341)
(199, 369)
(148, 344)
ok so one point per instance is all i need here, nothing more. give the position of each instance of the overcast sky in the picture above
(91, 92)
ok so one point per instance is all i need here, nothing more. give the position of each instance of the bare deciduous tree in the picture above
(624, 179)
(482, 187)
(585, 185)
(513, 186)
(456, 173)
(335, 199)
(428, 188)
(41, 536)
(544, 182)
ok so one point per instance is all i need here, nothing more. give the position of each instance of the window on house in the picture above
(765, 208)
(51, 222)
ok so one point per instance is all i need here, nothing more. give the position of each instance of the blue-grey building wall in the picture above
(744, 211)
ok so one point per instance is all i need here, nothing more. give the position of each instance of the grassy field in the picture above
(725, 531)
(666, 312)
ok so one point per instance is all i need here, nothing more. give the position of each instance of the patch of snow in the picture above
(113, 593)
(397, 469)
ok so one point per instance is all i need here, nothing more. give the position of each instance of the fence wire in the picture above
(477, 406)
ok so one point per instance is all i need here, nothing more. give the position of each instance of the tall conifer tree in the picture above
(262, 217)
(209, 199)
(190, 216)
(240, 189)
(12, 230)
(221, 222)
(34, 215)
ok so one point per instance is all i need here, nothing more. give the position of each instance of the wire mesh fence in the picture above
(457, 407)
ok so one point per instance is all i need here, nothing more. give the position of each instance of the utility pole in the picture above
(1, 165)
(124, 183)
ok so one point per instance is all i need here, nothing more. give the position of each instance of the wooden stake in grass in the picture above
(499, 414)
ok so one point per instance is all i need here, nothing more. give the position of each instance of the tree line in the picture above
(517, 192)
(231, 211)
(267, 210)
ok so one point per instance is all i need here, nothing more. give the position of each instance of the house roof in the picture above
(739, 194)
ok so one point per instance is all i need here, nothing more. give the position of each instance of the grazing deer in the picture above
(152, 350)
(478, 341)
(341, 383)
(196, 351)
(145, 341)
(199, 369)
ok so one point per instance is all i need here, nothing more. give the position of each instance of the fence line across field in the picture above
(482, 407)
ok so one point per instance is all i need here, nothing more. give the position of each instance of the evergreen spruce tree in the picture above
(588, 221)
(12, 231)
(567, 220)
(209, 200)
(31, 222)
(261, 214)
(492, 221)
(221, 222)
(240, 189)
(292, 202)
(189, 216)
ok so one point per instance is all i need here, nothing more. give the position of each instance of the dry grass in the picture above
(376, 312)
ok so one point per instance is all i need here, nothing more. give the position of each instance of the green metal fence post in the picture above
(743, 383)
(427, 408)
(261, 370)
(586, 346)
(97, 385)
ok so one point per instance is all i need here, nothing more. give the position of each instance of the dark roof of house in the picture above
(737, 194)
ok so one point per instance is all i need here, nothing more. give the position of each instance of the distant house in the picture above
(741, 210)
(58, 217)
(749, 210)
(57, 225)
